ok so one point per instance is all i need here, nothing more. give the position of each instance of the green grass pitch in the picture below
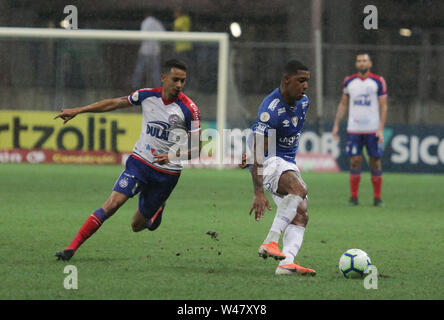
(43, 206)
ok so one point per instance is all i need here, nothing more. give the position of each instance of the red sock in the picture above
(91, 225)
(377, 184)
(355, 178)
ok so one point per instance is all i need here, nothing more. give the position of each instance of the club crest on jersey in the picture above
(294, 121)
(135, 96)
(173, 119)
(264, 117)
(123, 183)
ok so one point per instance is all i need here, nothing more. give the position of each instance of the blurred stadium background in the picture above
(407, 49)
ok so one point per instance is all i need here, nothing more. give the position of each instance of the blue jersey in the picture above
(286, 120)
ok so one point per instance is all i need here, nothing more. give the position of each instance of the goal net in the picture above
(44, 70)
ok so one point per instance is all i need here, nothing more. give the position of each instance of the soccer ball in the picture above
(353, 263)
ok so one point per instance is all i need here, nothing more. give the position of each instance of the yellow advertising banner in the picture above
(116, 132)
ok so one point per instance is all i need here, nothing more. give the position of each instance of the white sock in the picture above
(284, 215)
(293, 237)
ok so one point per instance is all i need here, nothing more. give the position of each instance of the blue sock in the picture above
(101, 214)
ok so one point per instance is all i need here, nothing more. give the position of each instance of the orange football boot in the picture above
(271, 249)
(293, 268)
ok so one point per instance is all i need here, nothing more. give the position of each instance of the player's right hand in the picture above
(66, 115)
(335, 133)
(260, 202)
(244, 163)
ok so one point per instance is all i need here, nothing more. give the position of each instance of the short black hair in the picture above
(173, 63)
(363, 53)
(293, 66)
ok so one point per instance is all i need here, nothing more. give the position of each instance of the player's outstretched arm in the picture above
(342, 108)
(101, 106)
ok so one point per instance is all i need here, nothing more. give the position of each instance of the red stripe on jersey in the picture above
(194, 110)
(381, 80)
(155, 168)
(349, 78)
(195, 113)
(127, 99)
(157, 89)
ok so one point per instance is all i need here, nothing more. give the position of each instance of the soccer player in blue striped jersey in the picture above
(280, 120)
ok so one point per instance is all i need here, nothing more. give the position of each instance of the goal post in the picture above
(222, 39)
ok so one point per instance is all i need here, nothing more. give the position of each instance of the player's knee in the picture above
(302, 189)
(136, 227)
(375, 163)
(355, 163)
(301, 218)
(114, 202)
(302, 208)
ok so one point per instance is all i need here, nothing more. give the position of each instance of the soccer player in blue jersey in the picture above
(365, 95)
(153, 169)
(280, 120)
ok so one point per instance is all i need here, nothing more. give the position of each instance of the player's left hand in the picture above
(161, 158)
(380, 136)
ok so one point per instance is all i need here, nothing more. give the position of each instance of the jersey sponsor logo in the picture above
(294, 121)
(196, 115)
(158, 129)
(273, 104)
(286, 123)
(289, 141)
(264, 117)
(362, 100)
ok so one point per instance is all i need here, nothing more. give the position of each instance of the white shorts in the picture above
(273, 169)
